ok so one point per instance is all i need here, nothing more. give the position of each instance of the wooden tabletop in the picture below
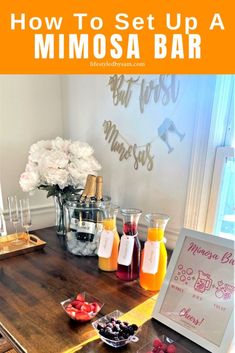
(33, 285)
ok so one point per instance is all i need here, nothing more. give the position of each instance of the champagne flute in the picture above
(13, 212)
(25, 215)
(2, 224)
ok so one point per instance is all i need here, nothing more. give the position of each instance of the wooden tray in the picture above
(17, 244)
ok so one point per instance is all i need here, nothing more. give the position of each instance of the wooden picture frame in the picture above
(197, 296)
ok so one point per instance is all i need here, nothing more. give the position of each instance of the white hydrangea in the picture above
(58, 162)
(37, 150)
(60, 144)
(53, 159)
(77, 177)
(80, 150)
(29, 180)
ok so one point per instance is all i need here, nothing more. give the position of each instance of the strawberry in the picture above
(95, 307)
(157, 343)
(75, 302)
(164, 347)
(86, 307)
(82, 317)
(171, 348)
(80, 298)
(78, 306)
(72, 312)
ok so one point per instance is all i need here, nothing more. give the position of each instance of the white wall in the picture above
(30, 110)
(45, 106)
(87, 102)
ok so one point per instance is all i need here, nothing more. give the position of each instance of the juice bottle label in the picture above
(151, 257)
(126, 250)
(106, 244)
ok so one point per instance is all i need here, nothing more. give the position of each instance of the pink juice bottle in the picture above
(129, 250)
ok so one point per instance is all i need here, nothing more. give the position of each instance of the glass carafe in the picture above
(154, 255)
(109, 238)
(129, 250)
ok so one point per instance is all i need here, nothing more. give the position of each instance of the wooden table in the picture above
(33, 285)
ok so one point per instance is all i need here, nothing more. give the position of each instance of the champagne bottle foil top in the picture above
(92, 186)
(86, 188)
(99, 188)
(99, 179)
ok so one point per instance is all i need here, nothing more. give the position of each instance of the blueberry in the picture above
(100, 326)
(107, 334)
(118, 321)
(121, 338)
(116, 327)
(102, 332)
(135, 327)
(131, 330)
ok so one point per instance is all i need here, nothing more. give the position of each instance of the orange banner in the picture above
(117, 36)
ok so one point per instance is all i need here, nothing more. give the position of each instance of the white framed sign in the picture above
(197, 296)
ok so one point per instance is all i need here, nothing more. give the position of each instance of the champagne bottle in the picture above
(91, 188)
(99, 188)
(79, 214)
(86, 226)
(86, 188)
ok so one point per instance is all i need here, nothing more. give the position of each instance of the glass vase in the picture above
(59, 214)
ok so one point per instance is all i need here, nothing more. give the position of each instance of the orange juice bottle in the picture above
(109, 239)
(154, 255)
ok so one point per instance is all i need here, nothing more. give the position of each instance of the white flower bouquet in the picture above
(58, 166)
